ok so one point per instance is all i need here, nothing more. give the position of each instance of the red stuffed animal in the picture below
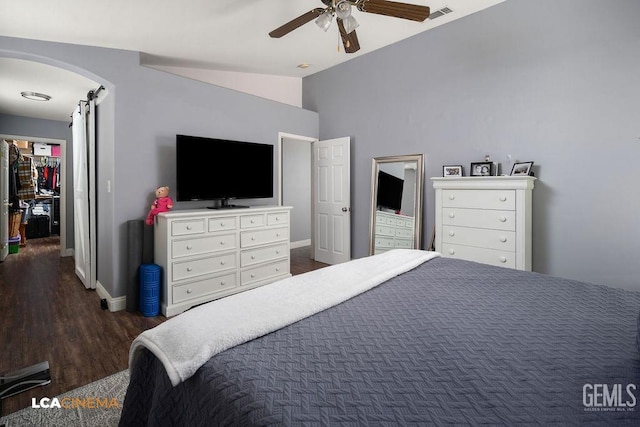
(163, 203)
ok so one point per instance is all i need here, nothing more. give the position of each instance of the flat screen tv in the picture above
(389, 191)
(221, 169)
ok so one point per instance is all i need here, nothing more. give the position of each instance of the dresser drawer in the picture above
(191, 226)
(278, 218)
(193, 268)
(480, 238)
(405, 233)
(485, 256)
(222, 224)
(203, 245)
(263, 272)
(403, 243)
(385, 230)
(408, 223)
(261, 237)
(251, 221)
(210, 286)
(270, 253)
(486, 199)
(480, 218)
(384, 242)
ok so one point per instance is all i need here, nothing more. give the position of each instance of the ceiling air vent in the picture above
(439, 13)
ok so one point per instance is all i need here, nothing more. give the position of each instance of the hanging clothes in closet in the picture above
(28, 178)
(49, 175)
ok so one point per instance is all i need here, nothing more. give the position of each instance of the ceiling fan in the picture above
(347, 24)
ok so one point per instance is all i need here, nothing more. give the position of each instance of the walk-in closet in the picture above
(34, 191)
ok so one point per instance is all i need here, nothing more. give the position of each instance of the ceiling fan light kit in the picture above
(347, 23)
(324, 21)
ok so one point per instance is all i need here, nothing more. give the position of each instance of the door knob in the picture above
(345, 209)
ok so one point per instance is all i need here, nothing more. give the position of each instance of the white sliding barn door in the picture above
(332, 200)
(83, 146)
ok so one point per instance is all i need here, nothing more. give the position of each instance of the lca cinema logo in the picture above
(75, 402)
(609, 397)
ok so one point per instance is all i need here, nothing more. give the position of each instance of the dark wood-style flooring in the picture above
(47, 314)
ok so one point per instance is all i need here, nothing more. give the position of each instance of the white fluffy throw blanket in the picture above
(184, 343)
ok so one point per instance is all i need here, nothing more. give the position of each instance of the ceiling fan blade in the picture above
(295, 23)
(413, 12)
(349, 41)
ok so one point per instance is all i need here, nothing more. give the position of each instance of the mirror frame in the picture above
(375, 167)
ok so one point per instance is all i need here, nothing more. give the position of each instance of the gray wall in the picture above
(28, 126)
(560, 88)
(137, 128)
(296, 186)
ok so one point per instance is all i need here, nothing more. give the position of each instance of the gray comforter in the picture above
(448, 342)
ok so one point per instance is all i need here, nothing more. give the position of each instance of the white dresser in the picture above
(210, 254)
(485, 219)
(393, 231)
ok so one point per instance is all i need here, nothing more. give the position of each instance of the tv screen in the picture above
(389, 191)
(221, 169)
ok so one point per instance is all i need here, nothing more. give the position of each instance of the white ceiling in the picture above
(228, 35)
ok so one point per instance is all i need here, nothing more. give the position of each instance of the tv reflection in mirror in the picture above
(389, 192)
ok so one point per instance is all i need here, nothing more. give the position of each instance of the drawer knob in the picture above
(503, 239)
(189, 247)
(222, 283)
(277, 218)
(222, 243)
(503, 198)
(189, 268)
(452, 233)
(277, 268)
(452, 215)
(189, 290)
(222, 224)
(503, 259)
(277, 252)
(253, 275)
(503, 218)
(188, 227)
(221, 262)
(452, 252)
(277, 234)
(253, 238)
(452, 197)
(253, 257)
(252, 221)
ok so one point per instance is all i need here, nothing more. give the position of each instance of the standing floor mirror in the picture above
(396, 203)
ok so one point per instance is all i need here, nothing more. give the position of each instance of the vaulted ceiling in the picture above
(222, 35)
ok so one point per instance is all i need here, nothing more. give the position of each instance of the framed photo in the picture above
(481, 169)
(452, 170)
(523, 168)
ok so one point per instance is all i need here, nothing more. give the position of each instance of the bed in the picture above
(446, 342)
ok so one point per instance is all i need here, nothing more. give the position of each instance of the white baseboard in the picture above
(115, 304)
(67, 252)
(300, 244)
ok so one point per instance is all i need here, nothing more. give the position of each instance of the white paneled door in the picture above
(332, 200)
(4, 200)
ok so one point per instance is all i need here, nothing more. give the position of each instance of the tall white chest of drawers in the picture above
(485, 219)
(210, 254)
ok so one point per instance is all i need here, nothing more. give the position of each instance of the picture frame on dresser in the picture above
(452, 170)
(482, 169)
(521, 169)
